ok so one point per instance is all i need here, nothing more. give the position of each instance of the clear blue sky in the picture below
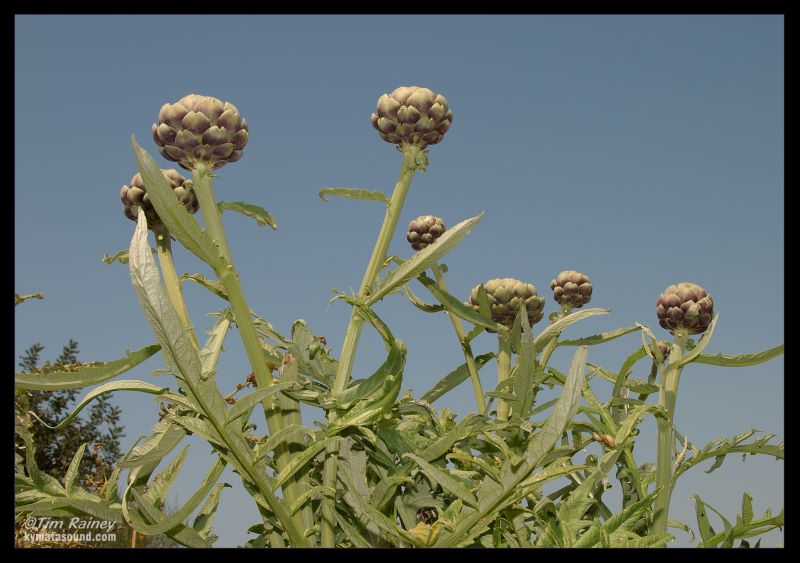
(640, 150)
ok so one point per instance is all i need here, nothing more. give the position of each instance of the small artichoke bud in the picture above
(571, 288)
(135, 195)
(664, 347)
(685, 306)
(411, 115)
(506, 296)
(200, 129)
(424, 230)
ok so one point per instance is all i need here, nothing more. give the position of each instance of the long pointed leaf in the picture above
(83, 376)
(424, 259)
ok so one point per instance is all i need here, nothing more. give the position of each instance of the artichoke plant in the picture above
(411, 115)
(571, 289)
(685, 306)
(200, 129)
(424, 230)
(506, 296)
(134, 195)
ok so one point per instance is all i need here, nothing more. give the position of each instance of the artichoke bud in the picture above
(572, 289)
(411, 115)
(424, 230)
(685, 306)
(200, 129)
(135, 195)
(506, 297)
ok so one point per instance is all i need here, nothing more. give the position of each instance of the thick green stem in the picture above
(472, 367)
(241, 312)
(353, 334)
(666, 436)
(503, 373)
(393, 209)
(164, 247)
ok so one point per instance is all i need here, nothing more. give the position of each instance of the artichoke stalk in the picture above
(399, 120)
(683, 309)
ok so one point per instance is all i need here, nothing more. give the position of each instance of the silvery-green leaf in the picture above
(423, 259)
(85, 375)
(354, 193)
(261, 215)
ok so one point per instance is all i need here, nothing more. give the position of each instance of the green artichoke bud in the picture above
(411, 115)
(424, 230)
(135, 195)
(200, 129)
(506, 296)
(685, 306)
(572, 289)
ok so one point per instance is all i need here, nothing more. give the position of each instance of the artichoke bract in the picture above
(685, 306)
(571, 289)
(200, 129)
(134, 195)
(424, 230)
(411, 115)
(506, 296)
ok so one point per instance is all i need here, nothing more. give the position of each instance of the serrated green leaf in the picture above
(246, 403)
(447, 481)
(261, 215)
(423, 259)
(166, 436)
(456, 307)
(180, 223)
(121, 257)
(22, 298)
(692, 354)
(263, 448)
(599, 338)
(562, 323)
(125, 385)
(213, 286)
(158, 488)
(706, 531)
(354, 193)
(84, 376)
(162, 523)
(454, 379)
(747, 508)
(740, 360)
(299, 460)
(72, 470)
(205, 518)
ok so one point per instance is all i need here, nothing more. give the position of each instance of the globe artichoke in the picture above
(506, 296)
(664, 347)
(685, 306)
(135, 195)
(412, 115)
(571, 289)
(200, 129)
(424, 230)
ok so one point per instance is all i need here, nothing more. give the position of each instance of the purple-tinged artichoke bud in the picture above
(571, 289)
(506, 296)
(685, 306)
(200, 129)
(664, 347)
(411, 115)
(424, 230)
(135, 195)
